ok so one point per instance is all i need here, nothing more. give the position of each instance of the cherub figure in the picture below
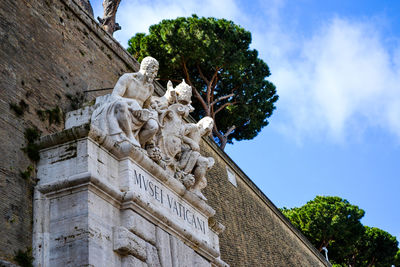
(191, 161)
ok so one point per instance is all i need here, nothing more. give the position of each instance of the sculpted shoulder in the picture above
(136, 75)
(129, 77)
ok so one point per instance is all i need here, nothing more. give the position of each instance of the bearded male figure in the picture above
(126, 115)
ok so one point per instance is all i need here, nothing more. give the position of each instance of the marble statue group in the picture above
(132, 118)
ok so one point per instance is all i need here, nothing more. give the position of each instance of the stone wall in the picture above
(47, 52)
(50, 52)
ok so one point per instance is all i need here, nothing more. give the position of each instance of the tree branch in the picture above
(224, 140)
(221, 98)
(198, 96)
(202, 75)
(234, 88)
(212, 91)
(224, 106)
(209, 85)
(218, 134)
(230, 130)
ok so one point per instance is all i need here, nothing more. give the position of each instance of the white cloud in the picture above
(342, 81)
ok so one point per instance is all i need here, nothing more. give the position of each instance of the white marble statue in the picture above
(131, 117)
(191, 162)
(173, 107)
(126, 115)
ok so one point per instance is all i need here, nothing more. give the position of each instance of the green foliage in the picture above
(134, 45)
(397, 259)
(76, 100)
(53, 115)
(24, 258)
(41, 114)
(334, 223)
(374, 248)
(330, 222)
(27, 173)
(214, 57)
(19, 108)
(31, 148)
(31, 134)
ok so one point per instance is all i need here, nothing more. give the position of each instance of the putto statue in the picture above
(191, 162)
(132, 118)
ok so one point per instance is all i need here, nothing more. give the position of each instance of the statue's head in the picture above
(184, 93)
(149, 66)
(206, 124)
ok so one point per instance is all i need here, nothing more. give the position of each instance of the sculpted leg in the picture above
(122, 116)
(147, 132)
(203, 164)
(191, 161)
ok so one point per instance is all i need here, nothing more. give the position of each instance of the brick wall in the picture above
(50, 49)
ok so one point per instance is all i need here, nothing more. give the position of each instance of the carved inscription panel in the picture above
(152, 191)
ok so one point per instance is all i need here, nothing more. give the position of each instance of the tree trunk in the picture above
(372, 262)
(208, 102)
(223, 143)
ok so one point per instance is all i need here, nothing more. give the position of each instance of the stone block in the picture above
(65, 251)
(130, 261)
(152, 256)
(199, 261)
(139, 225)
(68, 206)
(163, 247)
(78, 117)
(102, 164)
(182, 255)
(127, 243)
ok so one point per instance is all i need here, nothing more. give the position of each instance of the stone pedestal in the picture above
(97, 206)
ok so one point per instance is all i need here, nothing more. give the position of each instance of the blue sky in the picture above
(336, 66)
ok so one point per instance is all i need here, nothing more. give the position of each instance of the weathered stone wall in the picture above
(46, 52)
(50, 52)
